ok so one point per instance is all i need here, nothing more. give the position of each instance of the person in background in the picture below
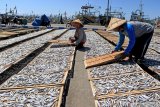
(139, 34)
(79, 38)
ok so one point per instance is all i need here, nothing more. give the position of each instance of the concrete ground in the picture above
(80, 94)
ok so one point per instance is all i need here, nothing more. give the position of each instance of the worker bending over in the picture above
(139, 34)
(79, 38)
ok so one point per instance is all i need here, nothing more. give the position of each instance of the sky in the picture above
(54, 7)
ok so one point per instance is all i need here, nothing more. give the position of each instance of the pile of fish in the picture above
(124, 83)
(18, 52)
(41, 82)
(114, 69)
(44, 69)
(97, 45)
(152, 57)
(145, 99)
(7, 42)
(155, 44)
(31, 97)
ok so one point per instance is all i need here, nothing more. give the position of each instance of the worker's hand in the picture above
(113, 51)
(73, 44)
(120, 57)
(70, 41)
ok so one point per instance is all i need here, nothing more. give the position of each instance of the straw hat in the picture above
(77, 21)
(115, 22)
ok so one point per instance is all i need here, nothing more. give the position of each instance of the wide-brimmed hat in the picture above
(77, 21)
(114, 23)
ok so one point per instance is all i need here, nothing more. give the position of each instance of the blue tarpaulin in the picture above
(44, 18)
(42, 21)
(37, 22)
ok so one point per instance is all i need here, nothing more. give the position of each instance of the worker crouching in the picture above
(79, 38)
(139, 34)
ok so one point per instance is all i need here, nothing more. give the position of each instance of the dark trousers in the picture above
(80, 45)
(141, 45)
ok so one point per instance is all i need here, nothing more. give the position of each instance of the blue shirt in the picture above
(129, 30)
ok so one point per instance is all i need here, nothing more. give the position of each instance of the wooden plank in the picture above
(5, 34)
(71, 59)
(100, 60)
(134, 92)
(35, 86)
(96, 103)
(93, 88)
(64, 78)
(12, 30)
(156, 70)
(89, 76)
(60, 97)
(24, 31)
